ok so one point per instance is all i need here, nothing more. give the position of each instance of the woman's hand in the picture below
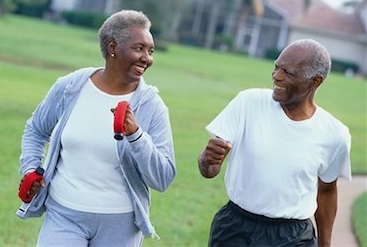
(130, 123)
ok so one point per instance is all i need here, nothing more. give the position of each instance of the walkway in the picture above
(343, 235)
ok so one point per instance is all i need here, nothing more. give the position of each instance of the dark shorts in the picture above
(233, 226)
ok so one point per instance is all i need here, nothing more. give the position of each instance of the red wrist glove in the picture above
(118, 124)
(27, 183)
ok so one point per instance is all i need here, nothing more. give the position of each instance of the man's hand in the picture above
(211, 159)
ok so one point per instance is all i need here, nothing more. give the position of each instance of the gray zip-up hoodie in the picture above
(146, 157)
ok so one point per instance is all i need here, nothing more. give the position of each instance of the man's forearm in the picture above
(325, 214)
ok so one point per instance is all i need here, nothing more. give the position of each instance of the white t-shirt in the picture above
(275, 162)
(88, 177)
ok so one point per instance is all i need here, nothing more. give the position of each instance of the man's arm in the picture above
(327, 200)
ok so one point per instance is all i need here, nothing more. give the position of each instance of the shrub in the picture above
(272, 53)
(343, 66)
(36, 9)
(222, 41)
(84, 19)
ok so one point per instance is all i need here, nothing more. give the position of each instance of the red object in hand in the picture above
(118, 124)
(27, 183)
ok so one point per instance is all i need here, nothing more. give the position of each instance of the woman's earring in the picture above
(112, 54)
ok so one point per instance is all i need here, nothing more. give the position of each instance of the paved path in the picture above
(343, 235)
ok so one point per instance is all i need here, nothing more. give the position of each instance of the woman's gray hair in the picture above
(117, 27)
(320, 63)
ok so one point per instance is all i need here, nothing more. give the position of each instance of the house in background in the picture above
(343, 34)
(211, 24)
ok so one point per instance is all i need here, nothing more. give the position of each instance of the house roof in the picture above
(324, 17)
(290, 9)
(321, 16)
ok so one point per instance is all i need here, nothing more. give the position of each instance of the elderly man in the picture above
(285, 156)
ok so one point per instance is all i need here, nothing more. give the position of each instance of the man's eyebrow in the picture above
(290, 70)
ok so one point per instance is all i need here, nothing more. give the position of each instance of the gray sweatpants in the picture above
(63, 227)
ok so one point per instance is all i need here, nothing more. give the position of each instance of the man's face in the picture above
(290, 86)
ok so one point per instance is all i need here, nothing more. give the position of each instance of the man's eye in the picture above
(288, 72)
(137, 48)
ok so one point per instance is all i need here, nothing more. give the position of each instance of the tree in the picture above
(165, 15)
(6, 6)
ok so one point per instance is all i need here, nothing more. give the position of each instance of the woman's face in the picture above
(135, 55)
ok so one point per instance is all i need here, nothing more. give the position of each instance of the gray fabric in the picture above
(66, 227)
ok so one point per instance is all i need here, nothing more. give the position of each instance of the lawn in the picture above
(195, 84)
(360, 223)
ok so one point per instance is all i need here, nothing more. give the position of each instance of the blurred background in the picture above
(258, 28)
(206, 52)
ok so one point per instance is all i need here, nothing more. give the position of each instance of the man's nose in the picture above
(277, 74)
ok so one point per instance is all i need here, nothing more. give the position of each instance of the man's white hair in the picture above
(320, 63)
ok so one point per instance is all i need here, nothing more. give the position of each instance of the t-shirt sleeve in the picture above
(340, 164)
(226, 123)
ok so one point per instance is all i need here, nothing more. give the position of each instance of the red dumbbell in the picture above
(27, 183)
(118, 123)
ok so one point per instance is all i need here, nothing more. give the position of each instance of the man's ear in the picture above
(317, 80)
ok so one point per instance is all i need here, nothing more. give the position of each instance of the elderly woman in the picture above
(95, 189)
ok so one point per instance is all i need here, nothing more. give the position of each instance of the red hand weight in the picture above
(27, 183)
(119, 119)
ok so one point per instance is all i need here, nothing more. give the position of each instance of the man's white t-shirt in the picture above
(275, 162)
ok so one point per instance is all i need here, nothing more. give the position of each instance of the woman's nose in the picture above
(147, 57)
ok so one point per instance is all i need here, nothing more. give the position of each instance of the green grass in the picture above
(359, 217)
(195, 84)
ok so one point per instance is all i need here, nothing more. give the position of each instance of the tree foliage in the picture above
(6, 6)
(164, 14)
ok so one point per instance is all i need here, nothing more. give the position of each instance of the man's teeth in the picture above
(278, 87)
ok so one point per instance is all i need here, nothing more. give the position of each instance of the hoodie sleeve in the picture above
(39, 128)
(152, 149)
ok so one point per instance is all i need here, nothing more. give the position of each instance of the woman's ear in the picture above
(111, 45)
